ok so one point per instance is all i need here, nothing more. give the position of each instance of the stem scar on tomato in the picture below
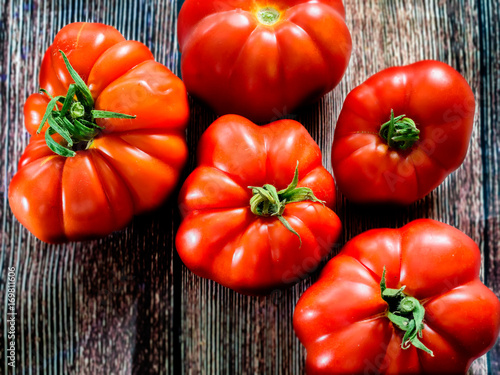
(75, 121)
(268, 16)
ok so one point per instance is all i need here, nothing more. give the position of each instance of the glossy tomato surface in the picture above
(130, 167)
(237, 63)
(441, 103)
(220, 238)
(342, 319)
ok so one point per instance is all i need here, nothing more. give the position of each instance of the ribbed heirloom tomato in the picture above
(87, 174)
(399, 301)
(262, 59)
(401, 132)
(257, 209)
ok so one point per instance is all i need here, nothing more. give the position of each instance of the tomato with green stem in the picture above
(402, 132)
(257, 210)
(399, 301)
(262, 59)
(108, 136)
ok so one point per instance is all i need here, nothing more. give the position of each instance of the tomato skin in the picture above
(442, 105)
(237, 64)
(145, 90)
(221, 239)
(105, 70)
(83, 43)
(341, 318)
(99, 190)
(34, 109)
(48, 78)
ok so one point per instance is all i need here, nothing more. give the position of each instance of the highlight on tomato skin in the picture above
(398, 301)
(401, 133)
(257, 210)
(262, 59)
(107, 119)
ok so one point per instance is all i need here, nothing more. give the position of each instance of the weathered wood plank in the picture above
(126, 304)
(489, 41)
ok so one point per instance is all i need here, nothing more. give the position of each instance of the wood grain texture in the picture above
(126, 304)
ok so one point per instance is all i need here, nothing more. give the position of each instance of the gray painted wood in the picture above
(126, 304)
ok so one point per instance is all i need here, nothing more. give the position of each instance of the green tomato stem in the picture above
(75, 122)
(400, 132)
(77, 110)
(406, 313)
(267, 201)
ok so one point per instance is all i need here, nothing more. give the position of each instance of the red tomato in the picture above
(223, 239)
(343, 321)
(439, 102)
(129, 167)
(262, 59)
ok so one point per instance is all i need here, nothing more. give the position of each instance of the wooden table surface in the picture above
(126, 303)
